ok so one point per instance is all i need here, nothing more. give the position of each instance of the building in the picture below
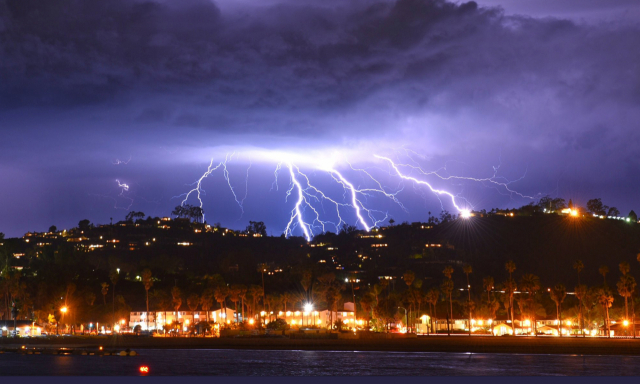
(158, 319)
(25, 328)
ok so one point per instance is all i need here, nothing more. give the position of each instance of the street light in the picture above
(63, 310)
(405, 314)
(308, 308)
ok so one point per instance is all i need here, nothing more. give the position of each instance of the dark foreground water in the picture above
(316, 363)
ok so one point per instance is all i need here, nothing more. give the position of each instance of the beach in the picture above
(474, 344)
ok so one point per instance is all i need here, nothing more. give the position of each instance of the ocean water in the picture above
(317, 363)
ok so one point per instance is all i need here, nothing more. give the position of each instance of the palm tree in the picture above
(306, 281)
(488, 284)
(206, 300)
(256, 293)
(606, 300)
(510, 266)
(105, 290)
(467, 270)
(193, 301)
(509, 288)
(409, 277)
(558, 293)
(581, 293)
(603, 270)
(626, 285)
(624, 267)
(447, 290)
(242, 294)
(234, 296)
(578, 266)
(325, 286)
(432, 298)
(286, 298)
(623, 283)
(162, 302)
(146, 280)
(176, 296)
(448, 271)
(114, 276)
(221, 294)
(530, 283)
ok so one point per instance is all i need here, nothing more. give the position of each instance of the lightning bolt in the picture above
(118, 161)
(198, 187)
(296, 213)
(422, 182)
(123, 188)
(310, 200)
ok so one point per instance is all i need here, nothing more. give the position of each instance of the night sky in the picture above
(544, 95)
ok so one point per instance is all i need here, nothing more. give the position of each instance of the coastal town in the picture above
(179, 277)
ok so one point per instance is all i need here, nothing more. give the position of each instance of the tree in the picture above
(234, 296)
(613, 211)
(603, 270)
(530, 283)
(161, 301)
(221, 294)
(432, 298)
(193, 301)
(595, 206)
(256, 292)
(510, 266)
(286, 298)
(256, 227)
(114, 276)
(551, 204)
(467, 270)
(488, 284)
(148, 283)
(53, 229)
(578, 266)
(605, 299)
(626, 286)
(409, 277)
(581, 294)
(242, 294)
(176, 299)
(558, 293)
(307, 280)
(189, 211)
(447, 289)
(105, 290)
(84, 224)
(448, 271)
(206, 300)
(134, 215)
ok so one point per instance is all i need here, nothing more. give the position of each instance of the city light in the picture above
(64, 309)
(308, 307)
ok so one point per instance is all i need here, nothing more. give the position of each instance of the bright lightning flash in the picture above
(309, 206)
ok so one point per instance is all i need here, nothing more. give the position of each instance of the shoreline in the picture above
(455, 344)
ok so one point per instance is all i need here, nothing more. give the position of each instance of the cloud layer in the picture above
(170, 82)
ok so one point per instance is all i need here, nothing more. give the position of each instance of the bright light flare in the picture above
(465, 213)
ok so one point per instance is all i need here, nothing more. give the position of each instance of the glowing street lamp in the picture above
(307, 309)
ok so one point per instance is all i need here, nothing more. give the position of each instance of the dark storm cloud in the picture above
(94, 80)
(411, 56)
